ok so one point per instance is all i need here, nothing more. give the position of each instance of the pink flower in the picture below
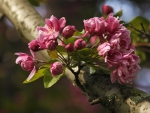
(107, 9)
(126, 69)
(103, 49)
(34, 45)
(113, 58)
(95, 26)
(27, 63)
(51, 29)
(68, 31)
(56, 69)
(69, 48)
(113, 24)
(51, 44)
(79, 44)
(115, 41)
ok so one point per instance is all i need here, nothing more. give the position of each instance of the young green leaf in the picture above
(52, 54)
(37, 75)
(49, 80)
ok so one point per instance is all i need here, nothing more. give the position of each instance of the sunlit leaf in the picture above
(37, 75)
(71, 40)
(49, 80)
(136, 22)
(52, 54)
(78, 33)
(119, 13)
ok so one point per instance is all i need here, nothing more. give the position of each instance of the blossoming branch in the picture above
(103, 44)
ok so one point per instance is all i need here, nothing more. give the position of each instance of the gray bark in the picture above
(97, 87)
(24, 17)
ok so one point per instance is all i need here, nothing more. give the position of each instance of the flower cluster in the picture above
(115, 47)
(71, 47)
(47, 39)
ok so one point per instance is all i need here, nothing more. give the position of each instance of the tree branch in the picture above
(114, 97)
(24, 17)
(98, 88)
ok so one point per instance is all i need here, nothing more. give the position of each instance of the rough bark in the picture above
(115, 97)
(97, 87)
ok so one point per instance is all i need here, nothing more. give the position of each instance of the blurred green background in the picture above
(63, 97)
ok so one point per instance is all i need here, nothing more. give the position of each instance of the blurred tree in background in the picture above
(16, 97)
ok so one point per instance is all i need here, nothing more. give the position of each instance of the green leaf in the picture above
(71, 40)
(119, 13)
(61, 49)
(78, 33)
(136, 22)
(49, 80)
(85, 51)
(37, 75)
(52, 54)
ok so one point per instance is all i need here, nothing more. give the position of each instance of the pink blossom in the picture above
(113, 24)
(103, 49)
(95, 26)
(107, 9)
(113, 58)
(69, 48)
(125, 39)
(68, 31)
(115, 41)
(79, 44)
(126, 69)
(56, 69)
(51, 29)
(27, 63)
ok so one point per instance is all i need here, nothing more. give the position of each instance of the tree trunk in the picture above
(97, 87)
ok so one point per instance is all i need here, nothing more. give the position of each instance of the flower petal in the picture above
(62, 22)
(55, 23)
(32, 73)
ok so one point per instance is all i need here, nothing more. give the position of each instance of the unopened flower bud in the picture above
(69, 48)
(107, 9)
(56, 68)
(25, 61)
(34, 45)
(79, 44)
(51, 44)
(68, 31)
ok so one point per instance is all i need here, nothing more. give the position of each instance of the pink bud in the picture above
(51, 44)
(107, 9)
(56, 68)
(69, 48)
(68, 31)
(25, 61)
(79, 44)
(34, 45)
